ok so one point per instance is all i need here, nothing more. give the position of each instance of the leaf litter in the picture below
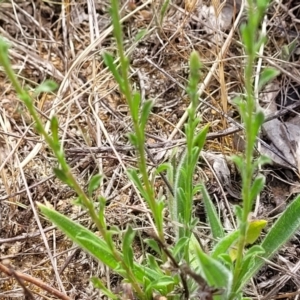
(49, 41)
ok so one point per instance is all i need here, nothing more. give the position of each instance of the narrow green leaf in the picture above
(127, 246)
(126, 62)
(146, 109)
(115, 15)
(186, 126)
(200, 139)
(197, 188)
(162, 282)
(133, 175)
(163, 10)
(135, 107)
(147, 289)
(247, 38)
(238, 160)
(61, 175)
(238, 212)
(86, 239)
(248, 263)
(213, 218)
(164, 167)
(54, 130)
(153, 245)
(179, 246)
(157, 211)
(181, 176)
(257, 186)
(78, 201)
(226, 261)
(224, 244)
(194, 159)
(196, 122)
(152, 262)
(179, 212)
(38, 127)
(109, 62)
(261, 161)
(91, 243)
(195, 65)
(132, 138)
(180, 198)
(28, 101)
(46, 87)
(98, 284)
(288, 50)
(94, 184)
(139, 36)
(101, 211)
(261, 41)
(266, 76)
(4, 59)
(213, 271)
(258, 121)
(254, 251)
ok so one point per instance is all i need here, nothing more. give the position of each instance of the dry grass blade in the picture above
(37, 219)
(64, 42)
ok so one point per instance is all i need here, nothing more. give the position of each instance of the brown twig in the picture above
(27, 292)
(20, 277)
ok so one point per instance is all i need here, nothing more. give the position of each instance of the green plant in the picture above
(183, 269)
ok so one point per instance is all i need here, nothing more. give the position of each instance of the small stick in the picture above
(20, 277)
(27, 292)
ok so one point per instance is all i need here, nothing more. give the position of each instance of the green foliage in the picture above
(180, 270)
(282, 230)
(94, 184)
(217, 229)
(127, 246)
(83, 237)
(214, 272)
(100, 285)
(266, 76)
(46, 87)
(163, 10)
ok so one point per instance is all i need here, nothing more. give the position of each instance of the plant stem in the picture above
(25, 97)
(140, 136)
(248, 117)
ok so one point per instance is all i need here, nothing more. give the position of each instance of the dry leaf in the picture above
(190, 5)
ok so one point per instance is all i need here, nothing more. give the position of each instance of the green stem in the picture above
(248, 171)
(25, 97)
(140, 137)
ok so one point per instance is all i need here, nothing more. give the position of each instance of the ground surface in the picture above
(64, 42)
